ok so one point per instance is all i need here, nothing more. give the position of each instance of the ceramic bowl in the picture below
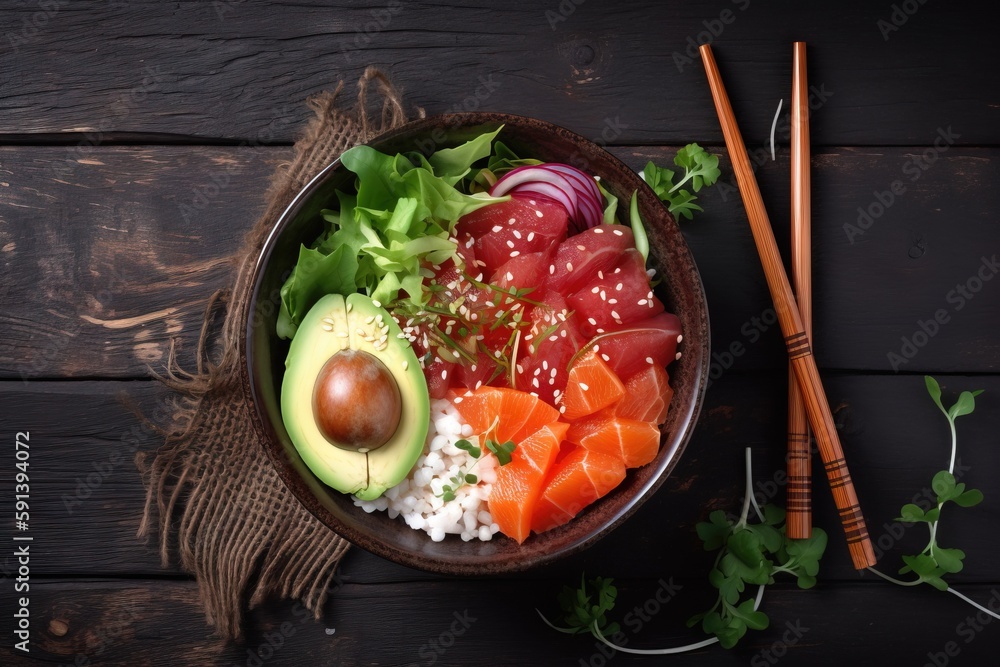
(264, 354)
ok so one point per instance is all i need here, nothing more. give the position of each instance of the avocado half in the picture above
(333, 325)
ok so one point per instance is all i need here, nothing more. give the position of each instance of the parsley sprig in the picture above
(700, 167)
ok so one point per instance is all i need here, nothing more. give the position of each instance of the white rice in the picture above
(416, 498)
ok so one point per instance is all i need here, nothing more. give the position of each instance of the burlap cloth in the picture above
(211, 493)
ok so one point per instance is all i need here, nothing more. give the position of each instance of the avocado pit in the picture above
(356, 401)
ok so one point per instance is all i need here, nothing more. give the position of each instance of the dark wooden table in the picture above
(138, 138)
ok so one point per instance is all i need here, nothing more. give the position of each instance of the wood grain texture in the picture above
(628, 71)
(798, 502)
(105, 258)
(152, 623)
(88, 495)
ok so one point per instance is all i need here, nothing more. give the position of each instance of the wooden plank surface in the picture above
(87, 495)
(628, 71)
(148, 622)
(104, 260)
(136, 139)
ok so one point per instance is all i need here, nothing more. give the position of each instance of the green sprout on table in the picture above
(934, 562)
(753, 553)
(748, 554)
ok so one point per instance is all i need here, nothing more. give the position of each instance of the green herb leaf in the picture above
(700, 169)
(715, 532)
(502, 451)
(968, 498)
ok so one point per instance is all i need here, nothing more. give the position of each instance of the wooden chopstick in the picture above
(798, 520)
(796, 340)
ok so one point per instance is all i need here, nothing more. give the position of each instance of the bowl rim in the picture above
(676, 441)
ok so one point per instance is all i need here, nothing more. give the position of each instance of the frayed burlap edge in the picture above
(211, 493)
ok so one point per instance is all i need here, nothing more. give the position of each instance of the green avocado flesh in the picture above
(333, 325)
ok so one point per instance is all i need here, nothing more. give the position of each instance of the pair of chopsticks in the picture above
(797, 339)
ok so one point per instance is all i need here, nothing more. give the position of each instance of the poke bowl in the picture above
(437, 264)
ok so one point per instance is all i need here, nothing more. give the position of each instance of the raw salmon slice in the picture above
(591, 385)
(504, 414)
(633, 442)
(519, 483)
(575, 481)
(647, 396)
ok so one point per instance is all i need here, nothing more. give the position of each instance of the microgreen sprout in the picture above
(934, 562)
(748, 553)
(502, 451)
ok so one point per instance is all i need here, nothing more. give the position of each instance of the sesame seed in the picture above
(680, 337)
(595, 290)
(538, 213)
(599, 330)
(406, 364)
(642, 302)
(553, 338)
(592, 321)
(511, 221)
(377, 304)
(515, 253)
(517, 234)
(604, 297)
(510, 244)
(617, 232)
(537, 371)
(479, 383)
(327, 327)
(343, 334)
(510, 276)
(618, 270)
(520, 368)
(470, 242)
(605, 357)
(552, 269)
(598, 230)
(552, 373)
(444, 375)
(369, 320)
(649, 360)
(597, 348)
(600, 274)
(677, 356)
(612, 301)
(545, 364)
(580, 247)
(497, 228)
(562, 333)
(531, 235)
(534, 382)
(615, 315)
(533, 202)
(584, 386)
(569, 266)
(472, 368)
(350, 307)
(562, 409)
(458, 399)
